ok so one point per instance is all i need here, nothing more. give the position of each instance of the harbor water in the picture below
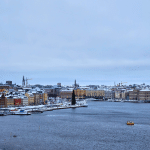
(101, 125)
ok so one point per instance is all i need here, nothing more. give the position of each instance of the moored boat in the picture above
(21, 112)
(2, 113)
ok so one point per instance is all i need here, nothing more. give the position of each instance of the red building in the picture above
(17, 101)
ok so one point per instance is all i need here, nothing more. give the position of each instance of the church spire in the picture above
(75, 84)
(23, 81)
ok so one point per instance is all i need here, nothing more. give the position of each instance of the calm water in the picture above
(102, 125)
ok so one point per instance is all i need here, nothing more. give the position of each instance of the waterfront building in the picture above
(36, 98)
(53, 92)
(66, 93)
(17, 101)
(120, 93)
(127, 95)
(80, 93)
(95, 93)
(30, 98)
(109, 94)
(144, 94)
(24, 100)
(134, 95)
(123, 92)
(44, 97)
(3, 101)
(10, 101)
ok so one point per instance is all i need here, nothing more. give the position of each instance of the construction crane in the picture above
(27, 81)
(123, 82)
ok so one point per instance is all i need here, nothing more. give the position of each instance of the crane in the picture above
(27, 81)
(123, 82)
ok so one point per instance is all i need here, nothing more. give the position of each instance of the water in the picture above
(102, 125)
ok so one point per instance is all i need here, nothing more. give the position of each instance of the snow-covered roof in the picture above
(145, 90)
(67, 90)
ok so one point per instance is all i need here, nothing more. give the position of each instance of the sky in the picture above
(93, 41)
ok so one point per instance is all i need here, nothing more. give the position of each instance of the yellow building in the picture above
(95, 93)
(45, 97)
(10, 102)
(80, 93)
(65, 94)
(30, 98)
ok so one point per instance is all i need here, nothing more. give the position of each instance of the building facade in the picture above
(36, 99)
(95, 93)
(3, 101)
(10, 101)
(144, 95)
(134, 95)
(65, 94)
(109, 95)
(24, 101)
(17, 101)
(80, 93)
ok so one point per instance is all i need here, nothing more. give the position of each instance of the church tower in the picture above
(23, 82)
(75, 85)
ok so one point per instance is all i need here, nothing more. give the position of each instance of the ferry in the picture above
(130, 123)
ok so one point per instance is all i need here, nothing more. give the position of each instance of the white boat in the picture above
(91, 99)
(2, 113)
(110, 100)
(117, 100)
(21, 112)
(131, 101)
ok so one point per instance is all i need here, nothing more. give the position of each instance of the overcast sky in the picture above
(92, 41)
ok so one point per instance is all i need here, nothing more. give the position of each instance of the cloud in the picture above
(61, 35)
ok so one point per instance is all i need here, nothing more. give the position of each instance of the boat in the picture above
(2, 113)
(21, 112)
(130, 123)
(35, 111)
(91, 99)
(132, 101)
(117, 100)
(110, 100)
